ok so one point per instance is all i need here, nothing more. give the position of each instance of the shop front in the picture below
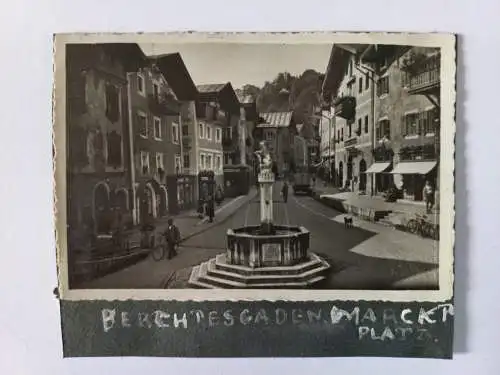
(410, 177)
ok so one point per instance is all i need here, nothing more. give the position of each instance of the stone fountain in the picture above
(265, 255)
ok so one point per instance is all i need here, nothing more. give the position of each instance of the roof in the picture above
(339, 58)
(130, 55)
(275, 119)
(222, 93)
(175, 72)
(211, 87)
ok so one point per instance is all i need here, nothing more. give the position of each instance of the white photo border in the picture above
(447, 44)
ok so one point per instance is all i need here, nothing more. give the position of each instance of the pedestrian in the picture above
(218, 195)
(284, 192)
(172, 236)
(210, 209)
(428, 196)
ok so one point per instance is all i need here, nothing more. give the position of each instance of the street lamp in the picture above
(331, 122)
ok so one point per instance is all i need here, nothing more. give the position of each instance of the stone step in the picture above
(212, 270)
(201, 278)
(314, 262)
(194, 279)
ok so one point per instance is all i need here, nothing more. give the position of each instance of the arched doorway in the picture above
(101, 208)
(122, 200)
(341, 174)
(332, 171)
(349, 168)
(164, 201)
(148, 204)
(362, 175)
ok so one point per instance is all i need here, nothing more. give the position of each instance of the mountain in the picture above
(288, 93)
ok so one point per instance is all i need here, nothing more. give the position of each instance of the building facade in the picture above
(408, 117)
(386, 104)
(351, 93)
(182, 184)
(98, 166)
(155, 127)
(278, 130)
(218, 113)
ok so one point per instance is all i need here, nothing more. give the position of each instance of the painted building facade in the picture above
(183, 182)
(155, 127)
(98, 166)
(408, 117)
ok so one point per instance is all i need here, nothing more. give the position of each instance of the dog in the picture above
(348, 222)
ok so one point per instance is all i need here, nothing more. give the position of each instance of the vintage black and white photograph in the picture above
(268, 166)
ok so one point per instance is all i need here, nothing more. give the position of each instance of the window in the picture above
(156, 90)
(201, 128)
(227, 158)
(114, 149)
(269, 136)
(338, 135)
(218, 134)
(141, 84)
(157, 127)
(383, 86)
(187, 161)
(202, 161)
(218, 165)
(432, 119)
(209, 132)
(175, 132)
(342, 134)
(358, 132)
(159, 162)
(410, 125)
(350, 129)
(209, 162)
(112, 103)
(145, 162)
(360, 86)
(367, 81)
(383, 129)
(142, 121)
(366, 124)
(178, 165)
(185, 130)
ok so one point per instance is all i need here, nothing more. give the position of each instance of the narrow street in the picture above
(367, 256)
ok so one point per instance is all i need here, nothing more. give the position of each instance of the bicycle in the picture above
(422, 227)
(159, 247)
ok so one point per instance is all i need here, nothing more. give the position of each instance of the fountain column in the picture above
(266, 182)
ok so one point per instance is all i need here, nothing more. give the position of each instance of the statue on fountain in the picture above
(265, 163)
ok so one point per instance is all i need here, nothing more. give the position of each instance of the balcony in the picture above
(186, 141)
(423, 74)
(351, 142)
(345, 107)
(164, 105)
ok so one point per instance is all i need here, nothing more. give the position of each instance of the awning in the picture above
(378, 167)
(414, 167)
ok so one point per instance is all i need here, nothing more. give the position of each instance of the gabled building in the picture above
(407, 117)
(348, 87)
(155, 121)
(218, 117)
(182, 182)
(278, 130)
(99, 186)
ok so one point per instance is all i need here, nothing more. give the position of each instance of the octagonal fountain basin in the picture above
(256, 246)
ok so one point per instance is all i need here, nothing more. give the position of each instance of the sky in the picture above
(243, 64)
